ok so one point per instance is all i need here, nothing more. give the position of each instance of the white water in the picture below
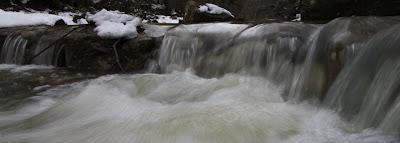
(180, 107)
(175, 108)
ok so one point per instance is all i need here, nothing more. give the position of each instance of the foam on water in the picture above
(177, 108)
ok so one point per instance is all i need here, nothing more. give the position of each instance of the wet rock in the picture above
(60, 22)
(136, 53)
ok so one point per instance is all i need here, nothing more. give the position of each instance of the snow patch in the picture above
(13, 19)
(168, 19)
(115, 24)
(214, 9)
(82, 21)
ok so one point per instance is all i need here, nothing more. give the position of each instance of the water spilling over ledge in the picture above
(224, 83)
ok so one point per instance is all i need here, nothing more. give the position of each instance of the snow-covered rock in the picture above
(168, 19)
(110, 16)
(13, 19)
(214, 9)
(115, 24)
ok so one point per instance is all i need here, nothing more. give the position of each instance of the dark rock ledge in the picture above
(83, 50)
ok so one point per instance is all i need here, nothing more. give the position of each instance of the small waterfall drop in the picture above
(366, 91)
(44, 47)
(46, 55)
(334, 46)
(13, 50)
(270, 50)
(185, 46)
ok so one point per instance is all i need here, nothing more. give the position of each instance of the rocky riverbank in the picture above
(257, 11)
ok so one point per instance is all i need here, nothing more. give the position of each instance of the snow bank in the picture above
(214, 9)
(115, 24)
(13, 19)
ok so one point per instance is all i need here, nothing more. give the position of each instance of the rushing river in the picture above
(173, 108)
(222, 83)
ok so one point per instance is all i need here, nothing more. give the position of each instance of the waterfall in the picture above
(47, 55)
(391, 120)
(13, 50)
(224, 83)
(366, 90)
(186, 46)
(334, 46)
(16, 51)
(305, 59)
(270, 50)
(24, 47)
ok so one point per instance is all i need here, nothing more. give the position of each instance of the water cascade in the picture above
(231, 83)
(48, 55)
(185, 46)
(33, 46)
(270, 50)
(13, 50)
(366, 90)
(331, 48)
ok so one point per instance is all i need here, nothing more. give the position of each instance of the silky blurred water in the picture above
(179, 107)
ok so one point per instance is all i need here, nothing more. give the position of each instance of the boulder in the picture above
(86, 51)
(60, 22)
